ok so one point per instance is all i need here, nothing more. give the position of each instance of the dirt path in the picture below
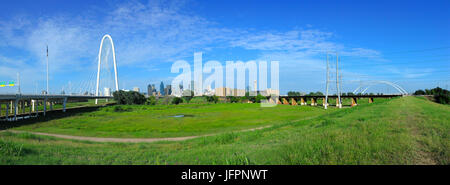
(125, 140)
(410, 112)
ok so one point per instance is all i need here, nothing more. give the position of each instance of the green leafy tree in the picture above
(151, 100)
(177, 100)
(258, 98)
(129, 98)
(232, 99)
(211, 99)
(419, 92)
(440, 95)
(294, 93)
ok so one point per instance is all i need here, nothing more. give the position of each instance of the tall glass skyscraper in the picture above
(161, 89)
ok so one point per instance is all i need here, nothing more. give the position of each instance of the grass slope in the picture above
(401, 131)
(138, 121)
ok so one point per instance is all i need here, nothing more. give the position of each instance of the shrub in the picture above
(244, 99)
(440, 95)
(198, 100)
(214, 99)
(129, 97)
(177, 100)
(187, 99)
(232, 99)
(294, 93)
(151, 100)
(165, 100)
(258, 98)
(419, 92)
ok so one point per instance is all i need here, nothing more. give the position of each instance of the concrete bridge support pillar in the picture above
(16, 110)
(370, 100)
(285, 102)
(35, 107)
(354, 102)
(293, 102)
(337, 103)
(325, 102)
(23, 106)
(302, 101)
(45, 106)
(29, 107)
(11, 108)
(313, 101)
(64, 104)
(6, 112)
(32, 105)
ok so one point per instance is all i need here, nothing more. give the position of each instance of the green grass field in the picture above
(137, 121)
(405, 130)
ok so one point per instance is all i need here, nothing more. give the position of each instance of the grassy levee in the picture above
(143, 121)
(405, 130)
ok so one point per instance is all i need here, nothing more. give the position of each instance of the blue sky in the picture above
(406, 42)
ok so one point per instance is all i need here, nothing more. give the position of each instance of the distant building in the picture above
(168, 90)
(136, 89)
(161, 89)
(238, 92)
(151, 90)
(192, 86)
(225, 91)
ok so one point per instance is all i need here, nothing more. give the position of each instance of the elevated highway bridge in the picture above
(302, 100)
(16, 102)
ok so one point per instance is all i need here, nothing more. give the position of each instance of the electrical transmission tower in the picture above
(338, 90)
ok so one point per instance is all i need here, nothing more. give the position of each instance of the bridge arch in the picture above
(99, 63)
(372, 83)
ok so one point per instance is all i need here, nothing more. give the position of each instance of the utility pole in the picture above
(326, 92)
(47, 70)
(337, 81)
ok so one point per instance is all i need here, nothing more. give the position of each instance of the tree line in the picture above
(440, 95)
(136, 98)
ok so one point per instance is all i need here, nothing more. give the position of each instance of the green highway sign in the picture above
(5, 84)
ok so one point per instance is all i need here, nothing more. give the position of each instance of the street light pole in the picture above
(47, 71)
(326, 94)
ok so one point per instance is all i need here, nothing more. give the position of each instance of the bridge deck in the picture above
(347, 96)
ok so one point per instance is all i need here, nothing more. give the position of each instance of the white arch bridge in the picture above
(28, 103)
(365, 86)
